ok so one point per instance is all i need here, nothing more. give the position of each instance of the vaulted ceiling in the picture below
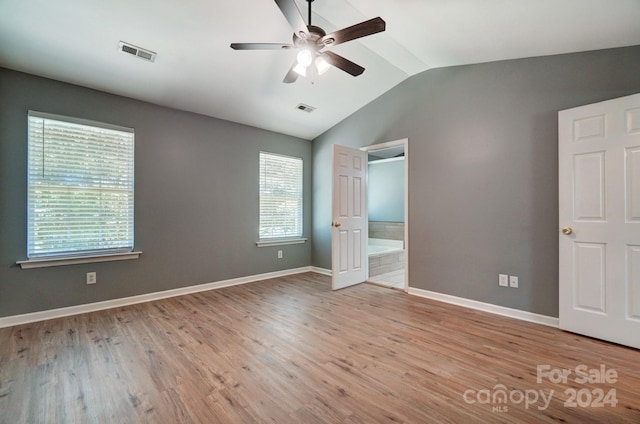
(196, 70)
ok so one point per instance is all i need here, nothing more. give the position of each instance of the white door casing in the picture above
(349, 226)
(599, 200)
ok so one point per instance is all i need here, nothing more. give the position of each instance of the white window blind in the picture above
(80, 187)
(280, 196)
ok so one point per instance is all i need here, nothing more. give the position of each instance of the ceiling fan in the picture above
(311, 40)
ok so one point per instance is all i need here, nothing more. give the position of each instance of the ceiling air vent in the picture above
(305, 108)
(137, 51)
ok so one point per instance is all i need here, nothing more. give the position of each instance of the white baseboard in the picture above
(322, 271)
(486, 307)
(148, 297)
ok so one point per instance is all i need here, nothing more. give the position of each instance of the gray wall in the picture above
(482, 169)
(196, 204)
(386, 191)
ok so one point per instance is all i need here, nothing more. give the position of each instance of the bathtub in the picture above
(382, 246)
(385, 256)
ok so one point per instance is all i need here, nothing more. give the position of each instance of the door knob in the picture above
(336, 224)
(567, 231)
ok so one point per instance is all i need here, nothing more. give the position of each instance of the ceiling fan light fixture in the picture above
(300, 70)
(322, 65)
(305, 57)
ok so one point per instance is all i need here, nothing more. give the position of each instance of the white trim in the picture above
(378, 161)
(71, 260)
(386, 145)
(486, 307)
(148, 297)
(322, 271)
(280, 242)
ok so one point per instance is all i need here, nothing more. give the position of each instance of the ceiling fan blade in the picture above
(293, 16)
(261, 46)
(341, 63)
(363, 29)
(292, 75)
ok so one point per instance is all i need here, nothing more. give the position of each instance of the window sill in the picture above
(71, 260)
(280, 242)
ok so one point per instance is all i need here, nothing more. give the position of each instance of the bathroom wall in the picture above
(386, 190)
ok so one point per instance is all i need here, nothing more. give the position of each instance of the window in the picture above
(280, 197)
(80, 187)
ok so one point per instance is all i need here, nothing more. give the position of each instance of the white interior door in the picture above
(349, 232)
(599, 171)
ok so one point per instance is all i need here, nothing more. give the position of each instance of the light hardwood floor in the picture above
(289, 350)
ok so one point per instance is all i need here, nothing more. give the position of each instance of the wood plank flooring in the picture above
(289, 350)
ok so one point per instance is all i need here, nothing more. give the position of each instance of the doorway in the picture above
(387, 197)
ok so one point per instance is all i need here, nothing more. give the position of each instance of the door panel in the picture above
(599, 200)
(349, 217)
(343, 187)
(633, 281)
(632, 120)
(344, 251)
(590, 267)
(357, 249)
(589, 128)
(632, 172)
(589, 186)
(358, 185)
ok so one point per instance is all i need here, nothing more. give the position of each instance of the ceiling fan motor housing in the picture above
(312, 38)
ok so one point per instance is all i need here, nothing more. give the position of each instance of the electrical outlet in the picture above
(513, 281)
(91, 278)
(279, 254)
(503, 280)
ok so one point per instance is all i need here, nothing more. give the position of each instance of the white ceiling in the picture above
(196, 70)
